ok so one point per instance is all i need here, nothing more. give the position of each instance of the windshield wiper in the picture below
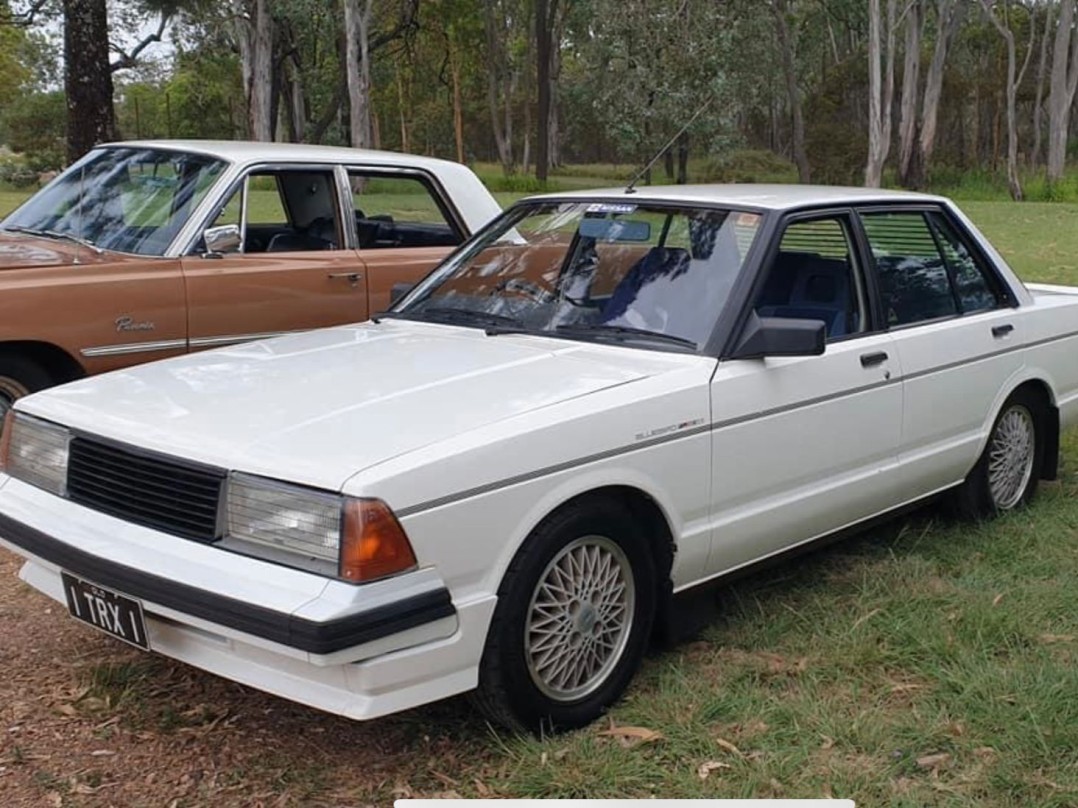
(622, 332)
(452, 316)
(56, 234)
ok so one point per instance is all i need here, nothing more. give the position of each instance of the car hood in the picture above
(21, 251)
(318, 407)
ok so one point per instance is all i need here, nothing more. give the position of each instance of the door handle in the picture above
(351, 277)
(1001, 331)
(870, 360)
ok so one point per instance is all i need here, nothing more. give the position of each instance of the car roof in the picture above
(243, 151)
(767, 197)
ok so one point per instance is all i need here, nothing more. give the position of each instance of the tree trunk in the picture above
(91, 118)
(1014, 79)
(498, 82)
(543, 37)
(254, 33)
(911, 80)
(1060, 94)
(947, 20)
(793, 92)
(458, 102)
(683, 158)
(880, 91)
(357, 26)
(1038, 104)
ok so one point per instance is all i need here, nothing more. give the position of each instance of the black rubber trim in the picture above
(280, 627)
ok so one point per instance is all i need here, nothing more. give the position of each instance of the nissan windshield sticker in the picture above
(610, 207)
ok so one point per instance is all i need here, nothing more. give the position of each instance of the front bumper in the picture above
(359, 651)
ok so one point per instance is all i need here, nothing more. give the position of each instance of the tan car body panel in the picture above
(99, 308)
(88, 301)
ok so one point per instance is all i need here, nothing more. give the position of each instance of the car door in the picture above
(405, 226)
(956, 332)
(293, 268)
(805, 445)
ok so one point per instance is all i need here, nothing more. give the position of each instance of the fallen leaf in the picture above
(482, 789)
(102, 753)
(985, 752)
(997, 599)
(933, 761)
(706, 768)
(729, 747)
(1049, 639)
(629, 737)
(828, 742)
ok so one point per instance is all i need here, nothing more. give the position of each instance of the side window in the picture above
(974, 288)
(813, 278)
(914, 282)
(287, 211)
(398, 211)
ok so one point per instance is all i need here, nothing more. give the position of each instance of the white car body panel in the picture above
(474, 438)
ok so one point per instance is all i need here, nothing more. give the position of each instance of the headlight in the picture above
(35, 452)
(358, 539)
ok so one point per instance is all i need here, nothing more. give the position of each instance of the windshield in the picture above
(123, 199)
(640, 273)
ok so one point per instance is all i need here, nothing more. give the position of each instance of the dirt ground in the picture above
(85, 720)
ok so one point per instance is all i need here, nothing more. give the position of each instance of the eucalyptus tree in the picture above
(1001, 18)
(1062, 83)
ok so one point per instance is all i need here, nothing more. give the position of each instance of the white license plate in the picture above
(105, 610)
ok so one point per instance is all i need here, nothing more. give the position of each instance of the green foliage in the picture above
(34, 125)
(748, 165)
(15, 173)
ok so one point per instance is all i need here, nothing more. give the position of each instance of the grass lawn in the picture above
(926, 662)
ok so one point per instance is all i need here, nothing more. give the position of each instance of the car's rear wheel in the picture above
(1008, 470)
(574, 615)
(19, 377)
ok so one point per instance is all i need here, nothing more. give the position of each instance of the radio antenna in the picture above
(629, 189)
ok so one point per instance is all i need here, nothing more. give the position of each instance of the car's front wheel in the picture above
(19, 377)
(574, 615)
(1008, 470)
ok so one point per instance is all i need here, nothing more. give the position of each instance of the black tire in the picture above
(19, 376)
(515, 689)
(989, 490)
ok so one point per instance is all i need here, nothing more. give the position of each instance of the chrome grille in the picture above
(145, 488)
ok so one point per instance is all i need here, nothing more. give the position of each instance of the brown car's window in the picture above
(286, 211)
(398, 211)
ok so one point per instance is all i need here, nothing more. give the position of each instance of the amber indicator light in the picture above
(373, 544)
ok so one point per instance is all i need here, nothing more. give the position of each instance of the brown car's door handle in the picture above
(351, 277)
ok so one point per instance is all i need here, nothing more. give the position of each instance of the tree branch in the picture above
(26, 18)
(129, 60)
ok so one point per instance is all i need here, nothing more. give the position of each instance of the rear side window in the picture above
(925, 269)
(975, 289)
(398, 211)
(914, 282)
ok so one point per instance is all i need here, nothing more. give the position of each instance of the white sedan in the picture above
(600, 402)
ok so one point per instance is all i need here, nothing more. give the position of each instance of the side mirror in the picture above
(399, 290)
(780, 336)
(224, 239)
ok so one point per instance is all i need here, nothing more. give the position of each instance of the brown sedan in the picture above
(146, 250)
